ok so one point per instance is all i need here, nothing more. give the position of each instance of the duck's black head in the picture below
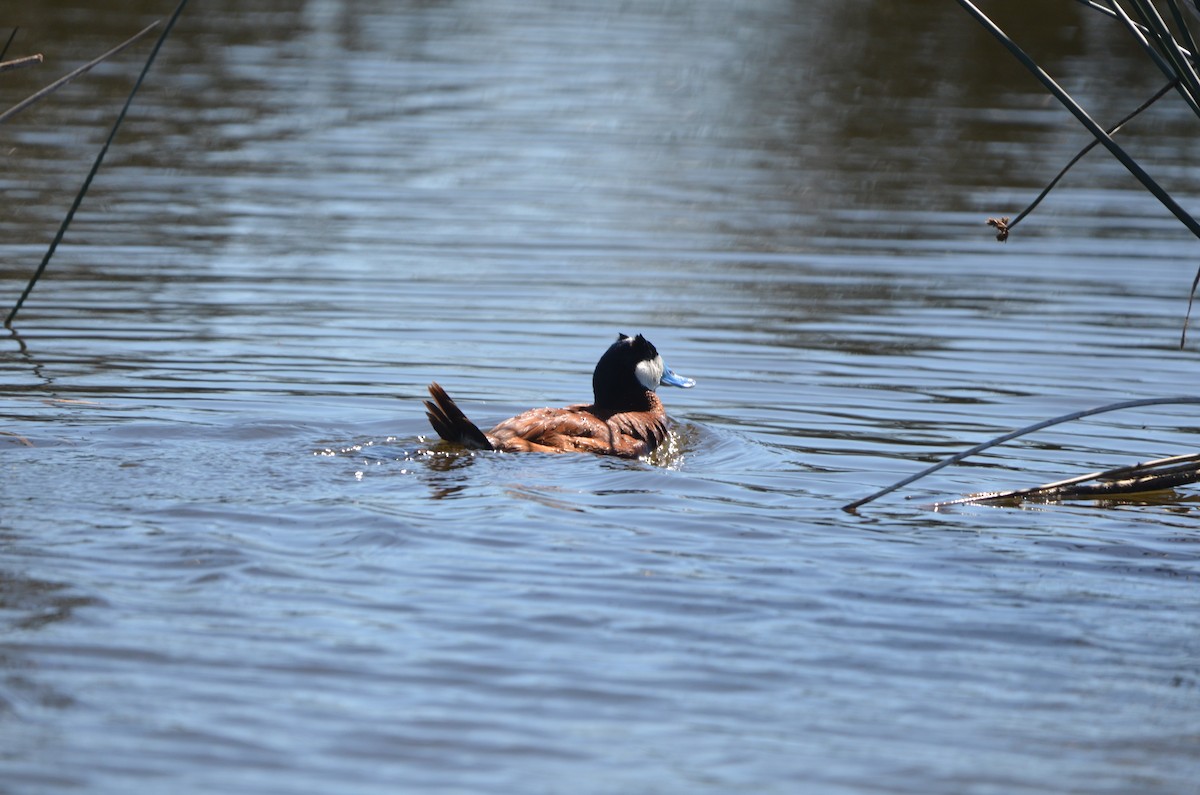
(629, 369)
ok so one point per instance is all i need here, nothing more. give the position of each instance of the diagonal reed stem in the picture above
(1090, 146)
(8, 43)
(67, 78)
(1178, 64)
(1180, 69)
(62, 229)
(1184, 30)
(1087, 121)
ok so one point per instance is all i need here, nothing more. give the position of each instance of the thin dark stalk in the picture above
(1140, 33)
(1189, 87)
(67, 78)
(1075, 415)
(1170, 47)
(1087, 121)
(1091, 145)
(62, 229)
(1184, 30)
(1188, 315)
(7, 44)
(1116, 12)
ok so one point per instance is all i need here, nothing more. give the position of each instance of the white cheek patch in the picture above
(650, 372)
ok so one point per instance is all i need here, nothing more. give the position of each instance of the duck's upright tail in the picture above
(451, 424)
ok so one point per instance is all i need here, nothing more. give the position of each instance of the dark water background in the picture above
(227, 563)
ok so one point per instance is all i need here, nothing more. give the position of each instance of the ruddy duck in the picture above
(625, 419)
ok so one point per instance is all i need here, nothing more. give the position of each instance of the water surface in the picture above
(232, 559)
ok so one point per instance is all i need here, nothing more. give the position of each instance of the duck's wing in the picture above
(573, 429)
(548, 430)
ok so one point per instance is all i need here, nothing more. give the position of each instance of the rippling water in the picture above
(230, 560)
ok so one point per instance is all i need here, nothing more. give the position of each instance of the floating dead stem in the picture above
(1075, 415)
(1119, 483)
(20, 63)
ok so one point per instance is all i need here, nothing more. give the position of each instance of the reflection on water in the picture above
(234, 557)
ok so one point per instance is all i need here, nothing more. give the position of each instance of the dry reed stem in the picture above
(1123, 481)
(1037, 426)
(20, 63)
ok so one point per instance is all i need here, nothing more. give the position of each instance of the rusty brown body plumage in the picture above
(626, 419)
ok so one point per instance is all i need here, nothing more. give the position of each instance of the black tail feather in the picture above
(451, 424)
